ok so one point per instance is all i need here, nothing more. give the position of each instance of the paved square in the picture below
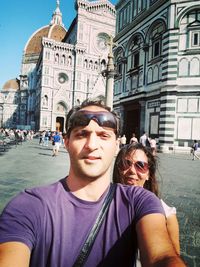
(29, 165)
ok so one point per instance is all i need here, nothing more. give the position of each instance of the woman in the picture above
(136, 165)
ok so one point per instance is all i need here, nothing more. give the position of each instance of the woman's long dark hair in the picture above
(120, 164)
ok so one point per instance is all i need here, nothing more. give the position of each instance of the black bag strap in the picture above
(87, 246)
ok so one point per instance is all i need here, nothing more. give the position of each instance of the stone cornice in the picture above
(49, 43)
(96, 6)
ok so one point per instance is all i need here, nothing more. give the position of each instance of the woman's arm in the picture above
(172, 225)
(173, 230)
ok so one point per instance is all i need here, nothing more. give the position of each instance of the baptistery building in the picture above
(157, 57)
(60, 68)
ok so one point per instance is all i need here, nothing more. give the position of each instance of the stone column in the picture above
(142, 117)
(109, 73)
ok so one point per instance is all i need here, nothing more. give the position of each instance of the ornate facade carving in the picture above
(61, 68)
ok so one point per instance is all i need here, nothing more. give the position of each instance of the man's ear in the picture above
(117, 142)
(66, 140)
(117, 146)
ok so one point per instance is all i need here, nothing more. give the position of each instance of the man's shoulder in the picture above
(39, 192)
(132, 192)
(136, 198)
(45, 190)
(36, 198)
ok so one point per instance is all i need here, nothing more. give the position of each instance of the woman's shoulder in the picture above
(168, 210)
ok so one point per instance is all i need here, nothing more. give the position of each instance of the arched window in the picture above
(69, 60)
(190, 30)
(194, 67)
(47, 55)
(119, 59)
(57, 58)
(96, 65)
(45, 101)
(156, 40)
(60, 107)
(63, 61)
(194, 29)
(155, 73)
(134, 52)
(85, 63)
(183, 67)
(90, 65)
(150, 75)
(103, 64)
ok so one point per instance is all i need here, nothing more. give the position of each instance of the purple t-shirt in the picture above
(54, 224)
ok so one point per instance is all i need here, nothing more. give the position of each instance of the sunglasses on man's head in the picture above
(140, 166)
(82, 118)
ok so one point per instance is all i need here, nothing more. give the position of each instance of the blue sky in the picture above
(19, 19)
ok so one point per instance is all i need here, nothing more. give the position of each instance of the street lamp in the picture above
(109, 73)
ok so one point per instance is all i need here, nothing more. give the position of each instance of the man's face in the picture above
(91, 149)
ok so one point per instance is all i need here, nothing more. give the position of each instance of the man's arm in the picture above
(14, 254)
(156, 249)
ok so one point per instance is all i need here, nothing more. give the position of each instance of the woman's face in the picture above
(137, 171)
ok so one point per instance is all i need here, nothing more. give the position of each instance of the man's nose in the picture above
(92, 142)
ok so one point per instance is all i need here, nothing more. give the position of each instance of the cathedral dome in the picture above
(34, 44)
(11, 84)
(57, 33)
(55, 30)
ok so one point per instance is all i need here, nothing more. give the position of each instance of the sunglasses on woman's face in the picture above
(82, 118)
(140, 166)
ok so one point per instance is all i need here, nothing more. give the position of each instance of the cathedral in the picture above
(157, 87)
(60, 68)
(157, 69)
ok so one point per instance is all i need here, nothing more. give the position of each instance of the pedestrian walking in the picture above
(56, 144)
(123, 140)
(43, 138)
(194, 150)
(143, 139)
(133, 139)
(40, 138)
(46, 138)
(153, 145)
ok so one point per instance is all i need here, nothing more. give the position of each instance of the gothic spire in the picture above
(57, 15)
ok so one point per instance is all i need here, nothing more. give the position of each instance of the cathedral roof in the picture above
(55, 30)
(11, 84)
(34, 44)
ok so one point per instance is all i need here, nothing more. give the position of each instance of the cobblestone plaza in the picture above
(29, 165)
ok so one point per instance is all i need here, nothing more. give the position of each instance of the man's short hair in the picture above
(87, 103)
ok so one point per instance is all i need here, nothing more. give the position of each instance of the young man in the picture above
(143, 139)
(56, 144)
(46, 227)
